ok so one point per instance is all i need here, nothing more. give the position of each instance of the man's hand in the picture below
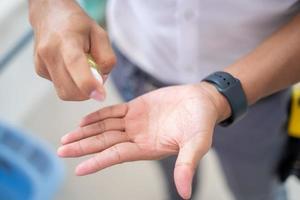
(173, 120)
(64, 34)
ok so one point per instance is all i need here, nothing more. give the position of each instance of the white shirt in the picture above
(182, 41)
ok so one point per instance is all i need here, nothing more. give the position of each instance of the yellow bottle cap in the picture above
(94, 68)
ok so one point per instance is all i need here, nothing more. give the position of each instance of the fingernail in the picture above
(60, 151)
(79, 171)
(63, 140)
(96, 95)
(105, 77)
(82, 122)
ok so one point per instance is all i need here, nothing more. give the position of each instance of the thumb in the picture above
(186, 164)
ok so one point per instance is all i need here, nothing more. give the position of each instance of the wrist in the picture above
(40, 8)
(221, 104)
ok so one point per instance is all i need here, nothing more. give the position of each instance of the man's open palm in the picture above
(173, 120)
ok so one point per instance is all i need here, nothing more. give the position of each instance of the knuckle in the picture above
(43, 50)
(63, 95)
(107, 64)
(96, 161)
(86, 86)
(41, 71)
(83, 132)
(112, 60)
(101, 126)
(101, 139)
(116, 153)
(48, 45)
(81, 149)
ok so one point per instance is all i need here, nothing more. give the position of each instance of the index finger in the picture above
(119, 153)
(77, 65)
(114, 111)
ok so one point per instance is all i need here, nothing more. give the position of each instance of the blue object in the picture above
(16, 49)
(95, 9)
(29, 170)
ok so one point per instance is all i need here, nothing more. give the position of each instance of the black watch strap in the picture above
(232, 89)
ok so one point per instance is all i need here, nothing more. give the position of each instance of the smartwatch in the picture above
(231, 88)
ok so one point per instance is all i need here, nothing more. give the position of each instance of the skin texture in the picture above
(174, 120)
(64, 34)
(273, 65)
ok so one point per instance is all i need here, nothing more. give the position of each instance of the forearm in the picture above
(273, 65)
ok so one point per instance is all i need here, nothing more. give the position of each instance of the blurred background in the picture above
(30, 103)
